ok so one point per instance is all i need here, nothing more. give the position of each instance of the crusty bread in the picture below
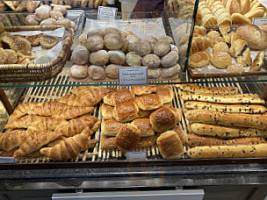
(149, 102)
(225, 132)
(110, 127)
(170, 145)
(235, 151)
(218, 118)
(143, 124)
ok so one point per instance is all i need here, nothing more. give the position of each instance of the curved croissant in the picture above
(12, 139)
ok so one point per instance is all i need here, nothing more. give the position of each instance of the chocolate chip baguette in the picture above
(238, 108)
(218, 118)
(213, 98)
(195, 140)
(235, 151)
(210, 90)
(225, 132)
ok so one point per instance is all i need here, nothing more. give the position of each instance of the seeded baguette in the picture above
(256, 121)
(225, 132)
(214, 98)
(237, 108)
(235, 151)
(195, 140)
(208, 90)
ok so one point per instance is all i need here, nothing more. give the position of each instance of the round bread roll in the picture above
(117, 57)
(60, 8)
(96, 32)
(141, 48)
(220, 47)
(80, 55)
(151, 61)
(221, 60)
(235, 67)
(132, 39)
(96, 72)
(79, 71)
(113, 41)
(111, 30)
(132, 59)
(216, 40)
(73, 25)
(43, 12)
(153, 40)
(83, 39)
(199, 59)
(64, 22)
(112, 71)
(171, 71)
(174, 48)
(166, 39)
(125, 46)
(213, 34)
(170, 59)
(94, 43)
(56, 15)
(161, 48)
(100, 57)
(153, 73)
(49, 21)
(30, 20)
(123, 34)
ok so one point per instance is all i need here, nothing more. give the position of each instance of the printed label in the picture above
(106, 12)
(259, 21)
(132, 76)
(135, 156)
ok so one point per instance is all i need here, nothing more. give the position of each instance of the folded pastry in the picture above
(48, 41)
(15, 42)
(258, 62)
(165, 118)
(165, 93)
(119, 97)
(110, 127)
(126, 112)
(149, 102)
(107, 111)
(141, 90)
(240, 50)
(143, 124)
(12, 139)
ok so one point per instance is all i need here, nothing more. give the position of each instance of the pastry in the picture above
(165, 93)
(220, 47)
(226, 32)
(79, 71)
(208, 18)
(42, 13)
(199, 44)
(60, 8)
(149, 102)
(141, 90)
(254, 13)
(126, 112)
(110, 127)
(96, 72)
(12, 56)
(100, 57)
(170, 59)
(143, 124)
(12, 139)
(94, 43)
(182, 135)
(119, 97)
(240, 50)
(107, 112)
(80, 55)
(132, 59)
(107, 143)
(48, 41)
(30, 20)
(258, 62)
(213, 34)
(151, 61)
(238, 18)
(117, 57)
(216, 40)
(32, 5)
(161, 48)
(199, 59)
(3, 56)
(96, 32)
(200, 30)
(171, 71)
(113, 41)
(221, 60)
(235, 68)
(15, 42)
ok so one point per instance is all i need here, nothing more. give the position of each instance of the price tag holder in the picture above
(106, 13)
(7, 160)
(263, 2)
(259, 21)
(132, 76)
(135, 156)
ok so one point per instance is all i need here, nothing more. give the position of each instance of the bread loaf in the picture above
(217, 118)
(132, 59)
(225, 132)
(161, 48)
(235, 151)
(182, 135)
(113, 41)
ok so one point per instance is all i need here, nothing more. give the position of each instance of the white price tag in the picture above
(259, 21)
(106, 12)
(263, 2)
(133, 76)
(135, 156)
(7, 160)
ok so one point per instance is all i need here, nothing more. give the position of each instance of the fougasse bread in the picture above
(224, 151)
(236, 108)
(196, 140)
(209, 90)
(256, 121)
(225, 132)
(214, 98)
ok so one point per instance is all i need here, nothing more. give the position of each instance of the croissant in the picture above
(76, 126)
(67, 149)
(12, 139)
(35, 140)
(35, 122)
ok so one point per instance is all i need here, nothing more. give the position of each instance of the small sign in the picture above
(7, 160)
(133, 76)
(135, 156)
(106, 12)
(259, 21)
(263, 2)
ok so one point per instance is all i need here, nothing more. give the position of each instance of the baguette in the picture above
(235, 151)
(225, 132)
(195, 140)
(209, 90)
(218, 118)
(233, 99)
(225, 108)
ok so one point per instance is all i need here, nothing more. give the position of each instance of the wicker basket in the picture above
(36, 72)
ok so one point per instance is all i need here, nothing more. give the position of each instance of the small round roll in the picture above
(64, 22)
(141, 48)
(221, 60)
(151, 61)
(80, 55)
(42, 13)
(112, 71)
(100, 57)
(96, 72)
(170, 59)
(151, 39)
(30, 20)
(132, 59)
(166, 39)
(96, 32)
(113, 41)
(79, 71)
(94, 43)
(111, 30)
(161, 48)
(171, 71)
(83, 39)
(48, 21)
(60, 8)
(56, 15)
(153, 73)
(117, 57)
(132, 39)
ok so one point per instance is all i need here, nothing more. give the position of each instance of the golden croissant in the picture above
(12, 139)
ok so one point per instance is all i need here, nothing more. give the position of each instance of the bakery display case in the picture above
(68, 124)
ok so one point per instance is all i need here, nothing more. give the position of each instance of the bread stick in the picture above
(238, 108)
(209, 90)
(218, 118)
(235, 151)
